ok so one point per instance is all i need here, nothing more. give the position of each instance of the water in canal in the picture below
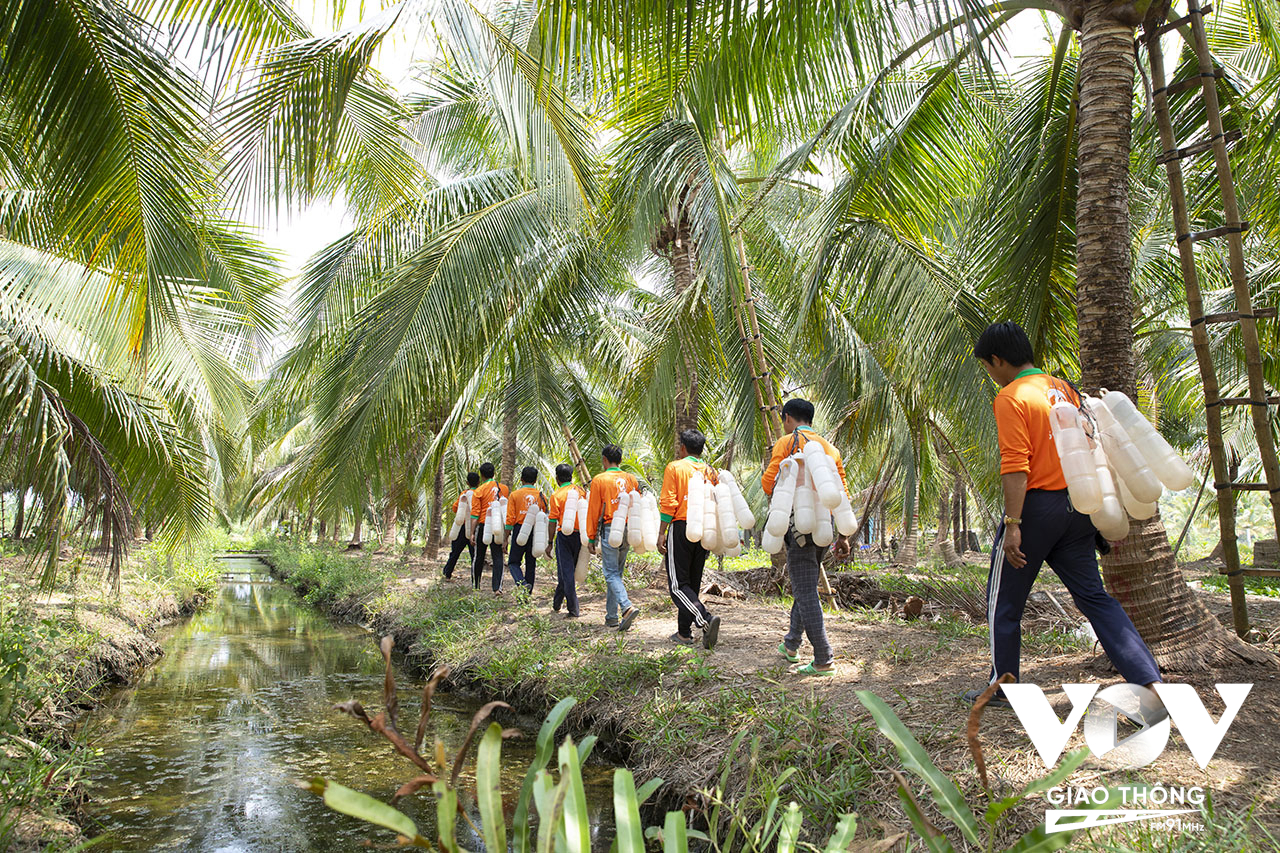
(202, 753)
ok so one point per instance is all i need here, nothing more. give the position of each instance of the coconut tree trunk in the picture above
(510, 423)
(20, 514)
(322, 531)
(946, 546)
(436, 521)
(1141, 572)
(684, 268)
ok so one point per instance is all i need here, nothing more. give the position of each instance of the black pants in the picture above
(1054, 533)
(523, 552)
(567, 550)
(684, 563)
(477, 565)
(460, 543)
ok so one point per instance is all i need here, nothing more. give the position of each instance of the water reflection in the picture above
(201, 753)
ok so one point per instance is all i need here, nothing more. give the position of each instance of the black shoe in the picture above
(711, 633)
(996, 701)
(556, 608)
(628, 618)
(572, 615)
(611, 624)
(681, 639)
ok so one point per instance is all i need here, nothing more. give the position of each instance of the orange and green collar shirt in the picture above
(1022, 424)
(673, 504)
(794, 443)
(606, 488)
(559, 498)
(485, 494)
(523, 500)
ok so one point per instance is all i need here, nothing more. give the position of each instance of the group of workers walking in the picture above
(683, 560)
(1039, 526)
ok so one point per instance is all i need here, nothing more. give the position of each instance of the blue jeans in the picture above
(615, 560)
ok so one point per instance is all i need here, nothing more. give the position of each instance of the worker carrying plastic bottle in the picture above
(523, 508)
(486, 494)
(1040, 523)
(563, 513)
(804, 554)
(607, 491)
(684, 558)
(462, 539)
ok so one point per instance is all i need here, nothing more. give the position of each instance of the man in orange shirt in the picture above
(1040, 524)
(804, 558)
(486, 493)
(566, 547)
(606, 488)
(684, 560)
(461, 542)
(524, 500)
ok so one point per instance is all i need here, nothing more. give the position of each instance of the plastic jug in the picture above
(1170, 467)
(806, 501)
(618, 527)
(784, 492)
(741, 509)
(1111, 520)
(693, 509)
(1076, 457)
(822, 471)
(1124, 457)
(710, 522)
(539, 532)
(570, 512)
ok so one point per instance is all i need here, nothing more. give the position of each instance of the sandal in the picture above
(810, 669)
(791, 656)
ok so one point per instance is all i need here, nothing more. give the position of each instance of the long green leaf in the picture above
(843, 836)
(1036, 786)
(542, 755)
(945, 793)
(790, 830)
(1039, 841)
(626, 812)
(446, 815)
(366, 808)
(577, 820)
(674, 837)
(489, 788)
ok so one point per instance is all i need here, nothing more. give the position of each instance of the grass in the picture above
(1269, 587)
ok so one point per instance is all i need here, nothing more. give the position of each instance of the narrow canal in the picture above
(203, 752)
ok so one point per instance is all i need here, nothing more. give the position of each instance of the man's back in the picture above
(1022, 422)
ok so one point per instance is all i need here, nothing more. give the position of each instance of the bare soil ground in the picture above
(922, 672)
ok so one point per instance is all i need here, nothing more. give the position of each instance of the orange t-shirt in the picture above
(673, 504)
(558, 499)
(606, 488)
(794, 443)
(485, 494)
(1022, 423)
(521, 501)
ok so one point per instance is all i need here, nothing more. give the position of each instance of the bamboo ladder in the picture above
(1259, 401)
(763, 382)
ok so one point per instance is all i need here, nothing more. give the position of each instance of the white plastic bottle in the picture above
(1141, 510)
(487, 536)
(822, 474)
(784, 491)
(618, 527)
(1124, 457)
(584, 559)
(1076, 458)
(461, 515)
(652, 522)
(726, 520)
(741, 509)
(846, 520)
(770, 543)
(499, 522)
(1111, 520)
(539, 533)
(1165, 462)
(527, 524)
(824, 531)
(570, 512)
(806, 501)
(635, 523)
(583, 503)
(710, 521)
(693, 509)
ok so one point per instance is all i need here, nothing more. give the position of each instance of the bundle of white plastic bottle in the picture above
(809, 495)
(462, 514)
(717, 513)
(635, 522)
(1123, 470)
(494, 531)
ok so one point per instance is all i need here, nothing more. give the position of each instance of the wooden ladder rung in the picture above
(1177, 87)
(1245, 401)
(1236, 316)
(1200, 147)
(1177, 22)
(1244, 487)
(1220, 231)
(1255, 572)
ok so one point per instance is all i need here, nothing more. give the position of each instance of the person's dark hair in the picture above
(693, 441)
(528, 474)
(486, 470)
(564, 472)
(1006, 340)
(473, 479)
(801, 410)
(612, 452)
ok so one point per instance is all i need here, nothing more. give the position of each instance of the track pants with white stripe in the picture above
(684, 563)
(1054, 533)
